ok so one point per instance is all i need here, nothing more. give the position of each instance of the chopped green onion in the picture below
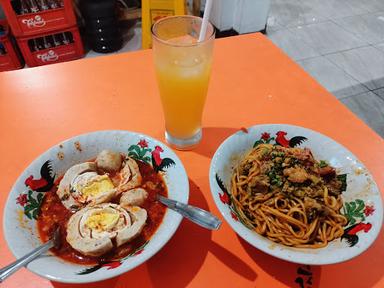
(323, 164)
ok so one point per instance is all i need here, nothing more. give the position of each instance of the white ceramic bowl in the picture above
(361, 188)
(21, 233)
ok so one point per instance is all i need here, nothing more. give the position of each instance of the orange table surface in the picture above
(252, 82)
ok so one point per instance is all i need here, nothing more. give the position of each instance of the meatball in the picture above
(108, 161)
(134, 197)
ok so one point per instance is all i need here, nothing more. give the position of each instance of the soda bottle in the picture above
(24, 7)
(66, 41)
(40, 43)
(33, 6)
(52, 4)
(56, 40)
(46, 43)
(33, 46)
(43, 5)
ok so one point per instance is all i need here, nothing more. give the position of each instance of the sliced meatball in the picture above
(130, 176)
(138, 218)
(64, 188)
(95, 230)
(84, 243)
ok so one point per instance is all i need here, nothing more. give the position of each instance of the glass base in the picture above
(183, 144)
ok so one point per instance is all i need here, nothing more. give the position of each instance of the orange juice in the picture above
(183, 90)
(183, 68)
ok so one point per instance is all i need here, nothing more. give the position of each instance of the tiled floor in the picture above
(341, 44)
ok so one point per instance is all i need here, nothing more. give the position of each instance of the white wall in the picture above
(222, 15)
(244, 16)
(250, 15)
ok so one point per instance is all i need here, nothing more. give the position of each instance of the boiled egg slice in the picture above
(91, 187)
(93, 230)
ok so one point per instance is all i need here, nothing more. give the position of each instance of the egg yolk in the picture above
(102, 184)
(102, 221)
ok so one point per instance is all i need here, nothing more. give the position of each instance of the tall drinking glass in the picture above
(183, 67)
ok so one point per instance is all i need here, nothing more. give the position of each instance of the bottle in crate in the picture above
(58, 46)
(10, 58)
(31, 17)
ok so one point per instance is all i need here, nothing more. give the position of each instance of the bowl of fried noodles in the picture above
(296, 194)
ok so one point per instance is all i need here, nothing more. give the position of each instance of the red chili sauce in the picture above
(54, 214)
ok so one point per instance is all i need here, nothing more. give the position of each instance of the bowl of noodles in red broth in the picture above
(100, 190)
(296, 194)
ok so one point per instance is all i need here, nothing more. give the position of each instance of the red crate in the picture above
(55, 54)
(11, 60)
(39, 22)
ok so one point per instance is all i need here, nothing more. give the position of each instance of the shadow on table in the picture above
(232, 261)
(180, 259)
(212, 138)
(291, 274)
(365, 270)
(343, 275)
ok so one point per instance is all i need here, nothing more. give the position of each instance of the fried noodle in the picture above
(288, 196)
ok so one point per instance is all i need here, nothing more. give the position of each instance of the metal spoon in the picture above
(23, 261)
(195, 214)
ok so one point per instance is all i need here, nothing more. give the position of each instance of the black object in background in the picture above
(101, 26)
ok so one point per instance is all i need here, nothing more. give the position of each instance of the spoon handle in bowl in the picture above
(23, 261)
(195, 214)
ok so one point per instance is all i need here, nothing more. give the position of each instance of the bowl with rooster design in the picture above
(362, 204)
(23, 206)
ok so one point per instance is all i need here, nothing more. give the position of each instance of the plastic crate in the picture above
(9, 54)
(43, 21)
(37, 52)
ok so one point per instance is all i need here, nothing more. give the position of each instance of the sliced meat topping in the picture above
(296, 174)
(258, 184)
(327, 172)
